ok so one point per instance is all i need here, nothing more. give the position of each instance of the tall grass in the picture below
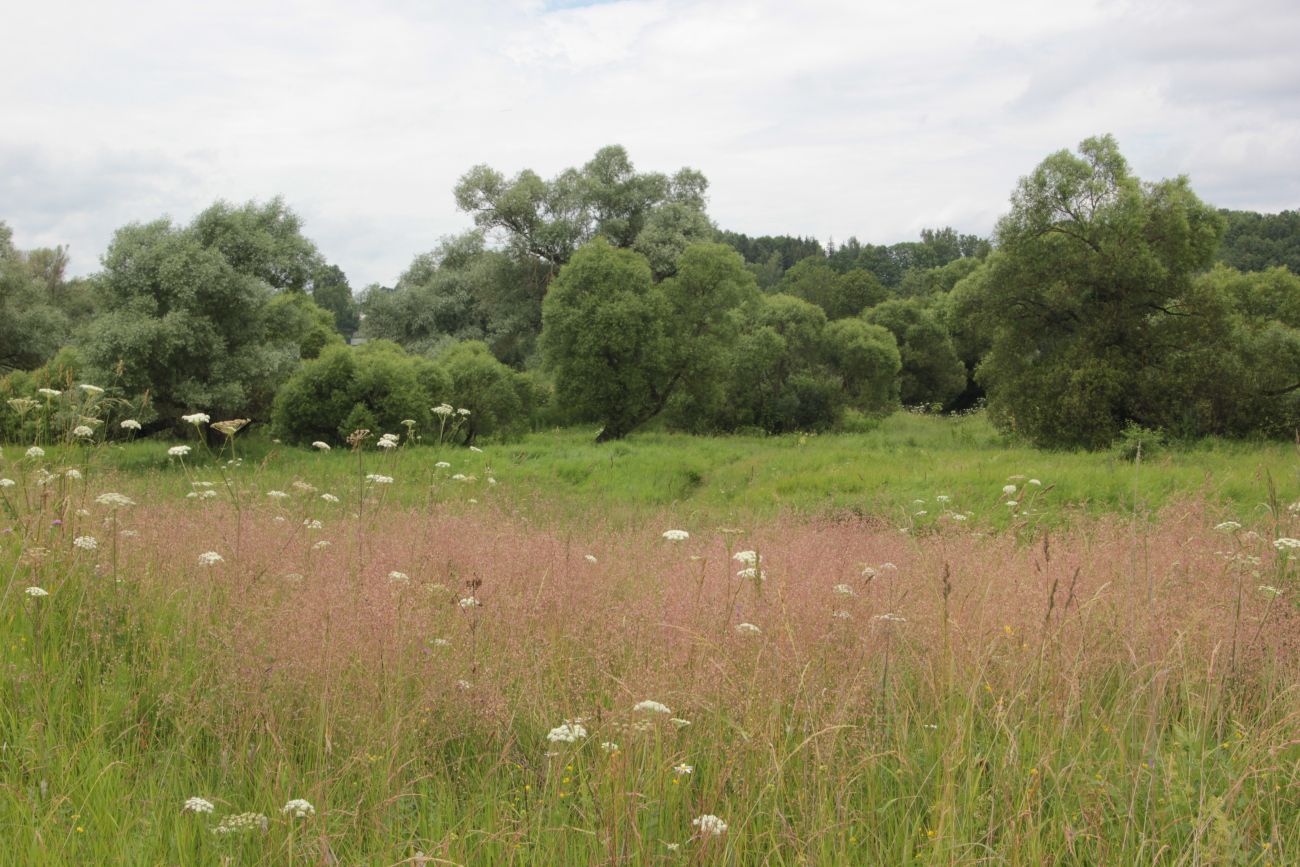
(1108, 691)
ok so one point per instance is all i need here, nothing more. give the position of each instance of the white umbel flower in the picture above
(299, 808)
(676, 535)
(747, 629)
(129, 424)
(469, 602)
(323, 446)
(649, 706)
(399, 577)
(1286, 543)
(196, 418)
(83, 431)
(35, 452)
(749, 558)
(210, 558)
(198, 805)
(710, 825)
(85, 543)
(115, 501)
(567, 733)
(36, 592)
(178, 451)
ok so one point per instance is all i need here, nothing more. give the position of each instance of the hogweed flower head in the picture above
(321, 445)
(749, 558)
(114, 501)
(1286, 543)
(567, 733)
(399, 577)
(676, 535)
(178, 451)
(85, 543)
(649, 706)
(36, 592)
(129, 424)
(35, 452)
(470, 602)
(242, 823)
(210, 558)
(747, 629)
(83, 431)
(198, 805)
(230, 427)
(196, 418)
(49, 392)
(710, 825)
(299, 808)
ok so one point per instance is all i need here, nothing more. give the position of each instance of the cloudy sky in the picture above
(827, 119)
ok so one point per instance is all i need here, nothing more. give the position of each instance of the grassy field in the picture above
(517, 667)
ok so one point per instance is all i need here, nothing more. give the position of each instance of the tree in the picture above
(606, 197)
(330, 291)
(867, 360)
(32, 326)
(621, 345)
(839, 295)
(262, 241)
(1092, 263)
(931, 372)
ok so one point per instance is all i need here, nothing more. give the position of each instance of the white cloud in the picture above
(826, 118)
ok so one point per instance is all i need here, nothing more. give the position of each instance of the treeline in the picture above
(607, 295)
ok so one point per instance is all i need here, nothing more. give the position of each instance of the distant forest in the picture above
(1101, 305)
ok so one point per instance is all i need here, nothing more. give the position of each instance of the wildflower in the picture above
(464, 684)
(891, 618)
(1285, 543)
(129, 424)
(679, 723)
(609, 746)
(242, 823)
(442, 465)
(178, 451)
(844, 590)
(36, 592)
(476, 449)
(443, 409)
(377, 479)
(73, 474)
(920, 513)
(869, 572)
(230, 427)
(329, 498)
(210, 558)
(114, 500)
(567, 733)
(196, 418)
(747, 629)
(82, 431)
(1011, 504)
(1227, 527)
(1008, 489)
(749, 558)
(441, 642)
(7, 483)
(198, 805)
(709, 824)
(649, 706)
(491, 480)
(672, 847)
(459, 477)
(590, 558)
(1272, 591)
(387, 441)
(85, 543)
(462, 412)
(322, 446)
(90, 389)
(305, 487)
(1034, 482)
(399, 577)
(23, 405)
(312, 524)
(470, 602)
(321, 545)
(942, 498)
(959, 517)
(676, 535)
(752, 573)
(276, 495)
(683, 769)
(408, 422)
(299, 808)
(49, 392)
(35, 452)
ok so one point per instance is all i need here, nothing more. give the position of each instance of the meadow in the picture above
(921, 644)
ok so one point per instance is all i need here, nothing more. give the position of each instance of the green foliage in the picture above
(330, 290)
(839, 295)
(620, 345)
(263, 241)
(33, 323)
(500, 400)
(868, 362)
(931, 371)
(293, 317)
(1258, 242)
(376, 387)
(606, 197)
(462, 291)
(1091, 263)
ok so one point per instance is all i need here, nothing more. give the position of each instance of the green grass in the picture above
(121, 699)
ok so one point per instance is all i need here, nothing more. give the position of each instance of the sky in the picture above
(824, 119)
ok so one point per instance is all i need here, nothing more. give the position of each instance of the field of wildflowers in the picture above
(409, 655)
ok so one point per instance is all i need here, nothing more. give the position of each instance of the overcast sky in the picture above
(827, 119)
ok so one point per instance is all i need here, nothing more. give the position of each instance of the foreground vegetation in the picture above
(455, 670)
